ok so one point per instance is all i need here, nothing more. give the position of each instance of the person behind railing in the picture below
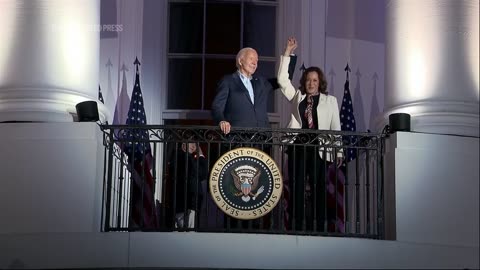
(312, 108)
(242, 99)
(191, 170)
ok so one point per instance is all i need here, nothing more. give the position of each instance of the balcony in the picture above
(56, 178)
(343, 202)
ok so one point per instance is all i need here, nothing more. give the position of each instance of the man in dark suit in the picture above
(242, 99)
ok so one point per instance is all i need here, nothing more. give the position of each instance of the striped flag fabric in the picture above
(286, 202)
(335, 199)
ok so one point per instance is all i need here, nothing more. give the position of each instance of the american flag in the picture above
(100, 96)
(347, 119)
(138, 150)
(335, 177)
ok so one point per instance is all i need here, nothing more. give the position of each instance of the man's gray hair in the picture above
(241, 54)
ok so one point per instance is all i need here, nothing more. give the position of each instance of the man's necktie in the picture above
(250, 90)
(308, 112)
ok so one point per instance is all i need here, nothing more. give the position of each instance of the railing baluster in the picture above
(367, 191)
(311, 159)
(109, 178)
(346, 197)
(380, 190)
(357, 195)
(120, 194)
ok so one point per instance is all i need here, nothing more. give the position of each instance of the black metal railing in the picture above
(152, 183)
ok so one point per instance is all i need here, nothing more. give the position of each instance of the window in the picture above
(204, 38)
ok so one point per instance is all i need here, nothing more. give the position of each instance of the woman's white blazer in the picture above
(328, 117)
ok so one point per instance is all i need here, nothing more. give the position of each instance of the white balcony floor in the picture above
(219, 250)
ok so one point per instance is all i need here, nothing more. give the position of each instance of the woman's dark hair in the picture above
(322, 84)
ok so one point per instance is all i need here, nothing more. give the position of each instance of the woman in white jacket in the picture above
(312, 108)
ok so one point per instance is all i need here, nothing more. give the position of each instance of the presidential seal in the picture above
(246, 183)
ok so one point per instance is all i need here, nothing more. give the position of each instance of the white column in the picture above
(49, 57)
(432, 64)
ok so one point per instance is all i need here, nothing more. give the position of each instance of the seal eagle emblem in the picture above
(246, 183)
(245, 179)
